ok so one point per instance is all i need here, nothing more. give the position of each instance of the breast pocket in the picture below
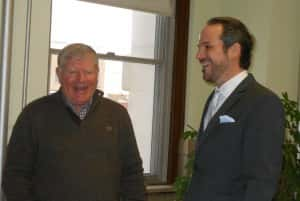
(229, 128)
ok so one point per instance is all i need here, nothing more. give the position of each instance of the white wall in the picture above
(276, 59)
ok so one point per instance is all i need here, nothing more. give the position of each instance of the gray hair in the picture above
(78, 50)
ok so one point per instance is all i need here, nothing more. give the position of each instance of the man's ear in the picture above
(97, 67)
(235, 51)
(58, 73)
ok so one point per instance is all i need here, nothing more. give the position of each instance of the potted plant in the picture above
(289, 184)
(181, 183)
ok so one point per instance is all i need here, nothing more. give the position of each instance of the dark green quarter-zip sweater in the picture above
(54, 156)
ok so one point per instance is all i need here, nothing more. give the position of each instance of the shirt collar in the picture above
(229, 86)
(83, 109)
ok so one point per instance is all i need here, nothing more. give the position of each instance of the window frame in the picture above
(171, 109)
(162, 62)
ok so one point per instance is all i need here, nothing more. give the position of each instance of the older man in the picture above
(74, 145)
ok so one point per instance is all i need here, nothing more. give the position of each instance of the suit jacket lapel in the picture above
(205, 110)
(200, 131)
(224, 109)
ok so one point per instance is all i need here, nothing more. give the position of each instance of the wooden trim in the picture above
(178, 85)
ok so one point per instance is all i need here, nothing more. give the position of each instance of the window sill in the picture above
(160, 189)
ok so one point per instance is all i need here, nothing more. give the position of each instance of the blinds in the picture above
(162, 7)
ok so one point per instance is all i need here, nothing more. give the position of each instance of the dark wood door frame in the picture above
(178, 85)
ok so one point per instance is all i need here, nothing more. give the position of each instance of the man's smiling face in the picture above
(78, 79)
(212, 56)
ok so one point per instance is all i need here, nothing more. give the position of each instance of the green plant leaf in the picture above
(289, 184)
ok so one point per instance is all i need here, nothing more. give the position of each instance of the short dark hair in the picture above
(234, 31)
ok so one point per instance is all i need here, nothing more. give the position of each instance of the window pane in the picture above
(108, 29)
(132, 85)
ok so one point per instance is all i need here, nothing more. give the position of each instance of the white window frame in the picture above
(162, 61)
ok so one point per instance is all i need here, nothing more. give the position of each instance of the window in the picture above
(168, 84)
(135, 59)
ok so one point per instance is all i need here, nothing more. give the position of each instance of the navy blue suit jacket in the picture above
(240, 160)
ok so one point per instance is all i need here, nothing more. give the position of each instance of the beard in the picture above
(213, 73)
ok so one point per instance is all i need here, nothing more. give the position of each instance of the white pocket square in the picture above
(226, 119)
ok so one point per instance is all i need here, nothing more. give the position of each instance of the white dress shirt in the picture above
(221, 94)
